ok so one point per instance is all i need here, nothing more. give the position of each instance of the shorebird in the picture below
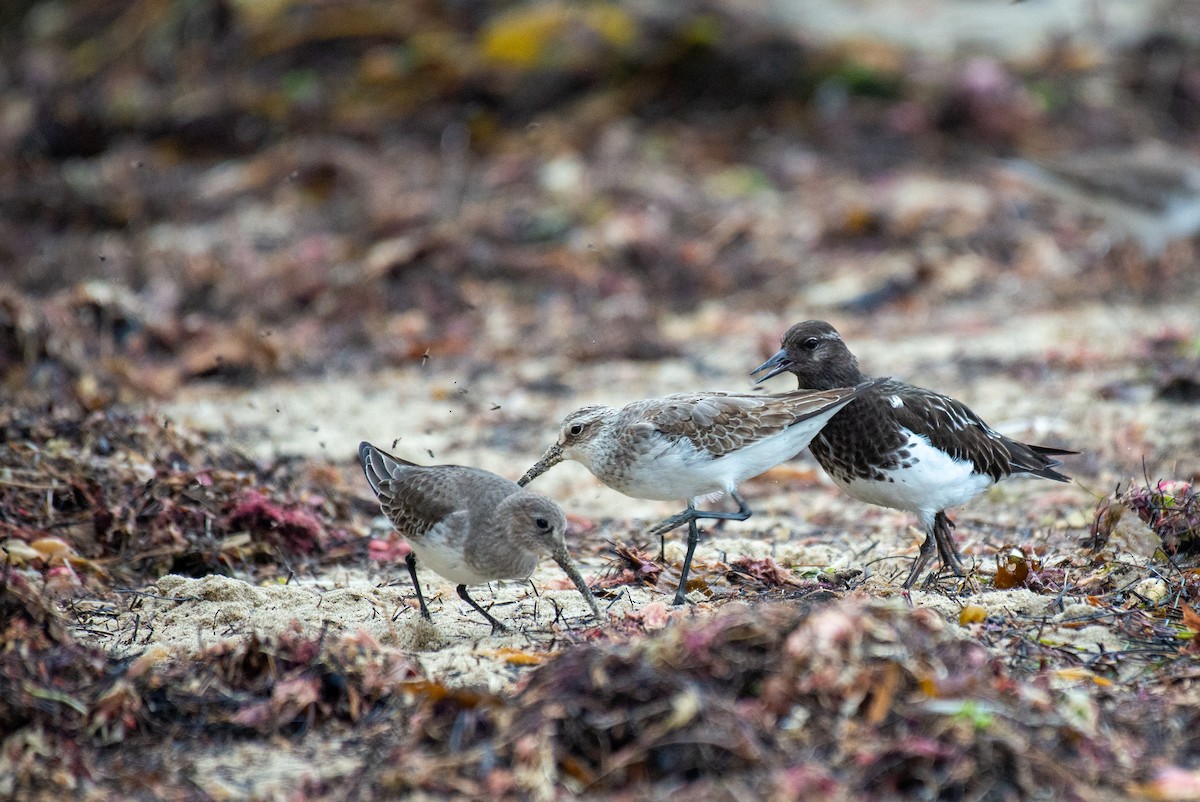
(468, 525)
(901, 446)
(692, 445)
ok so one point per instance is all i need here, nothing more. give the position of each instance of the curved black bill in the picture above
(776, 364)
(565, 562)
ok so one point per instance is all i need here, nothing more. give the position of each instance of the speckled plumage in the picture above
(903, 446)
(691, 445)
(871, 439)
(469, 525)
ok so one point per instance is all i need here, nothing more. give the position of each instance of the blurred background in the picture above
(221, 192)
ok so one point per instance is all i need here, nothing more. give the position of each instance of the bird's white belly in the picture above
(448, 562)
(679, 470)
(675, 473)
(935, 482)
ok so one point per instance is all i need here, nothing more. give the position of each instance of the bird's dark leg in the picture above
(693, 539)
(663, 527)
(942, 532)
(411, 561)
(693, 514)
(689, 517)
(496, 625)
(928, 546)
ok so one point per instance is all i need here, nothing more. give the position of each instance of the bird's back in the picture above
(416, 498)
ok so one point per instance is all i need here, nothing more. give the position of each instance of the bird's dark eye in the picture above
(541, 523)
(576, 429)
(811, 343)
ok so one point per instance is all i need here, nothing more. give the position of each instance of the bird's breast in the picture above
(450, 563)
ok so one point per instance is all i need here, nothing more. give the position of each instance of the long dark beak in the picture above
(777, 364)
(553, 456)
(565, 562)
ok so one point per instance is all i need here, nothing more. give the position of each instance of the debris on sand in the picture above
(1169, 509)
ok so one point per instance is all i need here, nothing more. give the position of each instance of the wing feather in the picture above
(965, 436)
(722, 423)
(415, 498)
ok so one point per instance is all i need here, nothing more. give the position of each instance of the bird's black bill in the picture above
(552, 457)
(775, 365)
(568, 565)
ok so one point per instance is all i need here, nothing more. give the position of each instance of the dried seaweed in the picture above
(868, 702)
(134, 496)
(1171, 508)
(630, 566)
(77, 702)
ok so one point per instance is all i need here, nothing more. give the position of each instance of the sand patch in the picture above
(186, 616)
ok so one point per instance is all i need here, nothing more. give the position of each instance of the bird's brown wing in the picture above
(722, 423)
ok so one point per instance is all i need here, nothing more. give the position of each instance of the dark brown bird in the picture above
(901, 446)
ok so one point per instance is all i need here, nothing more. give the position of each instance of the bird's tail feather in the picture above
(1042, 464)
(378, 465)
(1053, 452)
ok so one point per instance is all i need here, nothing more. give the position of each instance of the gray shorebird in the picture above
(691, 445)
(901, 446)
(468, 525)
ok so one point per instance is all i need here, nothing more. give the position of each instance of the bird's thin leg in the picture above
(411, 561)
(693, 539)
(693, 514)
(664, 526)
(928, 547)
(496, 625)
(942, 532)
(689, 517)
(743, 510)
